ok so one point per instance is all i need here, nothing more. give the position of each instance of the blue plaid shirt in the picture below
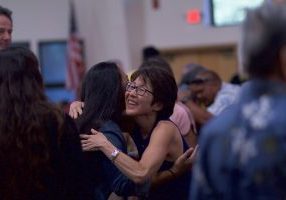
(243, 151)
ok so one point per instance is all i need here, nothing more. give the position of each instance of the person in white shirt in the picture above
(210, 96)
(215, 94)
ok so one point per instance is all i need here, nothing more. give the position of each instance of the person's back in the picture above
(104, 178)
(39, 148)
(242, 154)
(243, 150)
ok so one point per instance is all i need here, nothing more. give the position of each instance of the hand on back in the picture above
(76, 108)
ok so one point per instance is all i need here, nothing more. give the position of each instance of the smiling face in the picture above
(136, 104)
(161, 97)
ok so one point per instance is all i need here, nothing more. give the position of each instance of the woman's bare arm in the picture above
(181, 165)
(152, 158)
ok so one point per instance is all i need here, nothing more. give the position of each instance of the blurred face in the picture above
(204, 93)
(5, 32)
(184, 92)
(138, 98)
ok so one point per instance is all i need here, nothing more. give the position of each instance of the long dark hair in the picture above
(103, 96)
(24, 111)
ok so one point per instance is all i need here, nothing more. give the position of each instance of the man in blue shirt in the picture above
(243, 151)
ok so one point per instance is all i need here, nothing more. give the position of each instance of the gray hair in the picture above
(263, 36)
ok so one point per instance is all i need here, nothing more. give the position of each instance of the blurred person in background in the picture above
(209, 96)
(150, 52)
(189, 74)
(243, 151)
(215, 95)
(186, 96)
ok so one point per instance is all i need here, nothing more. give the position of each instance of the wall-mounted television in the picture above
(53, 61)
(228, 12)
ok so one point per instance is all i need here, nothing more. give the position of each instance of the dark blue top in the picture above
(104, 177)
(243, 151)
(175, 189)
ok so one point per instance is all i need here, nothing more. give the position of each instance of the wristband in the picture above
(114, 155)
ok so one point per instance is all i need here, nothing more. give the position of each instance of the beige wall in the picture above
(117, 29)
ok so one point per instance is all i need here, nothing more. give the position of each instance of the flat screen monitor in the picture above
(53, 61)
(228, 13)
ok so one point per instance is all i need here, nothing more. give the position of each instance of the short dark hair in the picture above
(158, 62)
(264, 34)
(150, 52)
(163, 85)
(6, 12)
(209, 76)
(192, 71)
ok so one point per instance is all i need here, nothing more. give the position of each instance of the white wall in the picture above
(104, 30)
(135, 20)
(101, 23)
(36, 20)
(167, 27)
(116, 29)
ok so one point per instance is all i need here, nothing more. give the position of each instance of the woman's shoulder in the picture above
(166, 123)
(166, 126)
(110, 126)
(112, 131)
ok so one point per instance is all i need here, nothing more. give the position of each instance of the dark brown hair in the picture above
(103, 96)
(24, 136)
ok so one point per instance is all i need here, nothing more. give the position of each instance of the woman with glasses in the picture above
(149, 100)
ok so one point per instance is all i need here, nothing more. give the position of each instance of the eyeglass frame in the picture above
(136, 88)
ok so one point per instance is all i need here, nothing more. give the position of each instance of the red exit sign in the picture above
(194, 16)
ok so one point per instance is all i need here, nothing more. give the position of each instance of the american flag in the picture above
(75, 64)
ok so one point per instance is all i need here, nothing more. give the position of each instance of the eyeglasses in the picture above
(139, 90)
